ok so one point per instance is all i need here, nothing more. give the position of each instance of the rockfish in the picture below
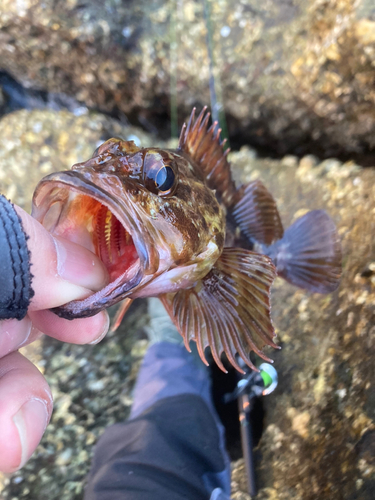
(173, 224)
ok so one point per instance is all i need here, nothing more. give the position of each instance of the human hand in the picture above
(62, 271)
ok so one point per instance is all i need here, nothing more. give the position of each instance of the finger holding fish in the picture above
(79, 331)
(62, 271)
(25, 398)
(15, 334)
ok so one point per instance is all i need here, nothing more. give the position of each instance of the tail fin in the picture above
(309, 253)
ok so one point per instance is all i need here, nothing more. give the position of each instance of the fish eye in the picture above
(164, 179)
(159, 174)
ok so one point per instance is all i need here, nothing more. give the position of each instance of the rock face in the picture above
(319, 436)
(292, 76)
(35, 144)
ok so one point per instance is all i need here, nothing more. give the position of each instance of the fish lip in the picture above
(126, 283)
(100, 300)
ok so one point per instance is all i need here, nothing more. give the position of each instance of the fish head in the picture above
(147, 213)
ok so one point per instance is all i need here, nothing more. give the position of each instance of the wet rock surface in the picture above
(293, 76)
(37, 143)
(318, 439)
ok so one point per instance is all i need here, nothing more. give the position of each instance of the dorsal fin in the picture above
(204, 146)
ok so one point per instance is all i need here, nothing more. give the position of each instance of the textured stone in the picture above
(293, 77)
(319, 432)
(35, 144)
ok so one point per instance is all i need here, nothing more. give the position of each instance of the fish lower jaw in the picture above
(115, 247)
(114, 292)
(100, 225)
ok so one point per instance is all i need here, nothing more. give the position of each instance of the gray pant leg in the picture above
(172, 446)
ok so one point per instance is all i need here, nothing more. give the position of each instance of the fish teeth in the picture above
(107, 233)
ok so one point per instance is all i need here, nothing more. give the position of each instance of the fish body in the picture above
(173, 224)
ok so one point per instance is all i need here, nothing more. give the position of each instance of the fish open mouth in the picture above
(96, 222)
(112, 243)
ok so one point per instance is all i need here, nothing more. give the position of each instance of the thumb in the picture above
(25, 409)
(62, 270)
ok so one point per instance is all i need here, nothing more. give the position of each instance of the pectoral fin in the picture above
(229, 309)
(257, 215)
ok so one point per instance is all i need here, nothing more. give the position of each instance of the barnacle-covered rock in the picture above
(293, 76)
(39, 142)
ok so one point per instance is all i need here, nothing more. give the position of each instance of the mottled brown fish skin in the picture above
(193, 211)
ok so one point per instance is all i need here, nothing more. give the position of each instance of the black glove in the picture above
(15, 276)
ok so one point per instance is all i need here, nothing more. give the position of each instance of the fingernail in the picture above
(104, 331)
(31, 421)
(79, 266)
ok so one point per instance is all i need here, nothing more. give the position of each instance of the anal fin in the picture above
(229, 309)
(120, 313)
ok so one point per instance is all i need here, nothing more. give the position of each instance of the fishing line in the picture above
(216, 95)
(173, 67)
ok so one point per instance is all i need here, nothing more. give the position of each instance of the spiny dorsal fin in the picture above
(229, 309)
(204, 146)
(257, 215)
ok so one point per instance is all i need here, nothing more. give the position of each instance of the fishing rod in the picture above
(251, 385)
